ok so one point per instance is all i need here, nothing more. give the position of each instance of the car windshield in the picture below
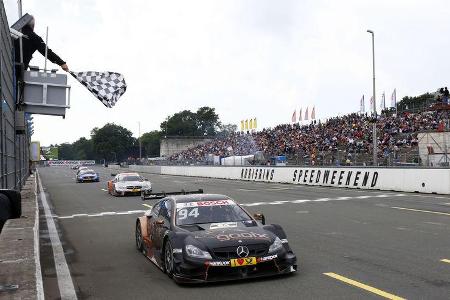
(215, 211)
(131, 178)
(87, 172)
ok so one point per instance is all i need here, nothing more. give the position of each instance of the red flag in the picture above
(294, 116)
(300, 115)
(313, 113)
(306, 114)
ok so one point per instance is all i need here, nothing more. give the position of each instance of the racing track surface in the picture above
(351, 244)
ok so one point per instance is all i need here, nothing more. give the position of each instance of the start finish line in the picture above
(56, 163)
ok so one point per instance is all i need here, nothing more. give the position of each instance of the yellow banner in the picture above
(250, 126)
(246, 124)
(254, 123)
(242, 125)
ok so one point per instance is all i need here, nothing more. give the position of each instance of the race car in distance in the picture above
(128, 184)
(87, 175)
(206, 238)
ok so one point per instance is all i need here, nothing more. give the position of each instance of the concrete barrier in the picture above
(20, 274)
(392, 179)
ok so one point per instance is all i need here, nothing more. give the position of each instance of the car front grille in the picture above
(230, 252)
(131, 187)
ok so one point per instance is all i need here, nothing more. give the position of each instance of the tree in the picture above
(112, 142)
(151, 142)
(83, 149)
(417, 103)
(207, 121)
(66, 151)
(183, 123)
(227, 129)
(204, 122)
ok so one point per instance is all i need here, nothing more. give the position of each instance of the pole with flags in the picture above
(294, 116)
(372, 107)
(306, 114)
(394, 100)
(362, 108)
(383, 102)
(313, 113)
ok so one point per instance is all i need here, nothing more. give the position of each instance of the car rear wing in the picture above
(160, 195)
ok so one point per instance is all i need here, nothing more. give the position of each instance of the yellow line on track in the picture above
(446, 260)
(364, 286)
(149, 206)
(424, 211)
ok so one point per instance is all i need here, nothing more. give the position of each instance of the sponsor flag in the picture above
(313, 113)
(294, 116)
(306, 114)
(394, 98)
(107, 87)
(250, 125)
(246, 124)
(383, 101)
(300, 115)
(242, 125)
(254, 123)
(362, 108)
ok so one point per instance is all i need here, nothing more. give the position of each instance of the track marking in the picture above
(65, 283)
(105, 190)
(364, 286)
(420, 210)
(37, 255)
(318, 200)
(446, 260)
(102, 214)
(147, 205)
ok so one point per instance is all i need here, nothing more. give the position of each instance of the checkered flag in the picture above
(106, 86)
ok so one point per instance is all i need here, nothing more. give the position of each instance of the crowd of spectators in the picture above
(349, 135)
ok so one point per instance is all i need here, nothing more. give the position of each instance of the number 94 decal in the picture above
(185, 212)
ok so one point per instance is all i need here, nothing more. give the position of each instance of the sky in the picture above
(245, 58)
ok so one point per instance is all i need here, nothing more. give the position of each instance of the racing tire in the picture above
(139, 239)
(168, 259)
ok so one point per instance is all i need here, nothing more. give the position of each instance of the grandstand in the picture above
(344, 140)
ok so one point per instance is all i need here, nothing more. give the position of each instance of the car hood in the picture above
(88, 174)
(133, 183)
(230, 234)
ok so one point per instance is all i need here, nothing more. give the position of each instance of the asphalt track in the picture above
(351, 244)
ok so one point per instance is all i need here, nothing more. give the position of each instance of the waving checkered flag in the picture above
(106, 86)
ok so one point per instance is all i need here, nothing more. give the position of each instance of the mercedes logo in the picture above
(242, 251)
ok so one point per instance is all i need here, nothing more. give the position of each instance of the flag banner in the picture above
(300, 115)
(107, 87)
(306, 114)
(372, 107)
(394, 98)
(254, 123)
(383, 101)
(294, 116)
(313, 113)
(250, 126)
(246, 124)
(242, 125)
(362, 106)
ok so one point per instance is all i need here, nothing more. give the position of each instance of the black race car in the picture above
(205, 238)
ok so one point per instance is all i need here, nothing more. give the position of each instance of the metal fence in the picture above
(14, 148)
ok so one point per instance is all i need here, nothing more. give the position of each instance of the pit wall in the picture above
(391, 179)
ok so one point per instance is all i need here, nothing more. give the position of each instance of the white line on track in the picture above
(102, 214)
(37, 256)
(65, 283)
(105, 190)
(319, 200)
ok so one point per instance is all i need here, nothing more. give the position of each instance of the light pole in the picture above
(374, 130)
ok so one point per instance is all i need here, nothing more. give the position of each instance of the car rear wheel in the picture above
(139, 239)
(168, 259)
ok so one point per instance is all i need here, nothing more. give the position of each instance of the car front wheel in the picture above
(168, 259)
(139, 239)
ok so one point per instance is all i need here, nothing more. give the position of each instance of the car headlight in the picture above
(193, 251)
(276, 245)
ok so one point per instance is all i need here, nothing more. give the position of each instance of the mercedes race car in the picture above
(205, 238)
(128, 184)
(87, 175)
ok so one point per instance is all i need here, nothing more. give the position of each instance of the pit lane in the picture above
(375, 242)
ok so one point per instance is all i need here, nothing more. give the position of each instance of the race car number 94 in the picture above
(184, 213)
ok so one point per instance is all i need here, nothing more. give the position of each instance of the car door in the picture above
(160, 230)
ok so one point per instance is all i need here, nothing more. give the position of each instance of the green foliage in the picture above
(204, 122)
(150, 143)
(414, 104)
(112, 142)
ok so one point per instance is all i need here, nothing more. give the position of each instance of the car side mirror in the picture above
(159, 222)
(260, 217)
